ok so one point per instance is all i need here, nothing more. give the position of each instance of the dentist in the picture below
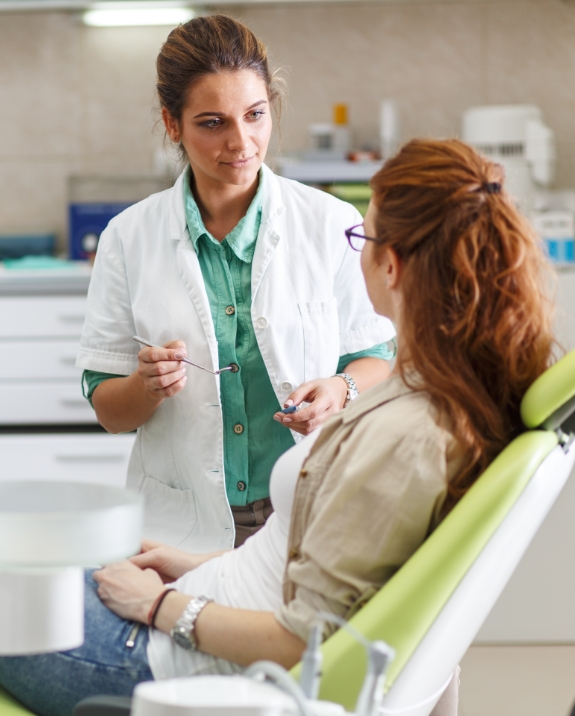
(231, 266)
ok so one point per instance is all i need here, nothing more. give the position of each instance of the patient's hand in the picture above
(169, 562)
(128, 591)
(326, 397)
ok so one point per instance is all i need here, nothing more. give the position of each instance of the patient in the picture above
(448, 258)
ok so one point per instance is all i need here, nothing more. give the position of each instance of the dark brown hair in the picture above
(477, 323)
(204, 46)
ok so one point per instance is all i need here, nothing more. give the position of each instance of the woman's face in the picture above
(225, 127)
(380, 271)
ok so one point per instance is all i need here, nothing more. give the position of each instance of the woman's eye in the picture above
(211, 123)
(256, 114)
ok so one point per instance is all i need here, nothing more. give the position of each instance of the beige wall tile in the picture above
(40, 109)
(82, 99)
(508, 681)
(531, 59)
(117, 92)
(423, 55)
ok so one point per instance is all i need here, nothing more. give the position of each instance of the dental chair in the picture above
(433, 607)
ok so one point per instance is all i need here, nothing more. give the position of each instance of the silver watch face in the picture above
(183, 640)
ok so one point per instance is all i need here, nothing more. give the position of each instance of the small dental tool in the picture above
(290, 410)
(234, 368)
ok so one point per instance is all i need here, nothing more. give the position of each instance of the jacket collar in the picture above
(273, 207)
(383, 392)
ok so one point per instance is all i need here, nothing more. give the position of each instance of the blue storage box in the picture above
(87, 221)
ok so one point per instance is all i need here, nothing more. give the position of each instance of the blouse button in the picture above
(230, 310)
(238, 428)
(303, 473)
(293, 553)
(241, 486)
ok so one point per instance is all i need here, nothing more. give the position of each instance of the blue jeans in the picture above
(52, 684)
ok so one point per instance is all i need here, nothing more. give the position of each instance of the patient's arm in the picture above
(169, 562)
(239, 635)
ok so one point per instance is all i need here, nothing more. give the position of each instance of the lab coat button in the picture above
(262, 322)
(286, 387)
(238, 428)
(241, 486)
(230, 310)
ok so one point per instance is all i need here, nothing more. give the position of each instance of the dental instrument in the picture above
(234, 368)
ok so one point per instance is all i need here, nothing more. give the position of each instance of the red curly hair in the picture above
(477, 323)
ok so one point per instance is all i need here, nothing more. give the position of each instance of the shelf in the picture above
(326, 172)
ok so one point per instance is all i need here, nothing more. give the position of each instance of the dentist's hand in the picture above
(326, 397)
(162, 370)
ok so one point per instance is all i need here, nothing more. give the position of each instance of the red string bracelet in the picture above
(157, 604)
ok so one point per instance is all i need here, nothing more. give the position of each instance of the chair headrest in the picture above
(551, 399)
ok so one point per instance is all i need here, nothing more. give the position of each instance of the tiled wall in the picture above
(76, 99)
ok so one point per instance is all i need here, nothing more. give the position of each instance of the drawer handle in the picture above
(71, 319)
(75, 403)
(90, 458)
(68, 360)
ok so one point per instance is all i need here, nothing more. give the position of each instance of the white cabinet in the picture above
(41, 316)
(48, 431)
(81, 457)
(39, 339)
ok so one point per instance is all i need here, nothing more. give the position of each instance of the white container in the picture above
(53, 524)
(211, 696)
(557, 229)
(42, 610)
(48, 532)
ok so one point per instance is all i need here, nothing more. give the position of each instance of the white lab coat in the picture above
(309, 306)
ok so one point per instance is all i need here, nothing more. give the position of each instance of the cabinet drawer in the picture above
(44, 403)
(33, 316)
(98, 458)
(39, 360)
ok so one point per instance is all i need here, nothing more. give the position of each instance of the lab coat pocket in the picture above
(170, 513)
(321, 338)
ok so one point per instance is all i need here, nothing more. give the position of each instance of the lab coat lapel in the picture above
(271, 230)
(190, 270)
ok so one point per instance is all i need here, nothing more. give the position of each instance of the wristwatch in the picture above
(352, 391)
(183, 631)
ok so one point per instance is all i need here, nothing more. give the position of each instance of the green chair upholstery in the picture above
(405, 608)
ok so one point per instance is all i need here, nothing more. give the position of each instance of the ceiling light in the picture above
(124, 14)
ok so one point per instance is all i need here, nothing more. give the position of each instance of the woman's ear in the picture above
(392, 266)
(172, 125)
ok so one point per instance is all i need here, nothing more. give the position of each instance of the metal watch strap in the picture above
(183, 631)
(352, 391)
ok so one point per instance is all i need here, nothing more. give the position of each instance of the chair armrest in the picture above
(104, 706)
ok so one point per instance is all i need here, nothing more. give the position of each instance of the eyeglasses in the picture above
(357, 239)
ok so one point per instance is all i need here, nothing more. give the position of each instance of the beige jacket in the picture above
(368, 495)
